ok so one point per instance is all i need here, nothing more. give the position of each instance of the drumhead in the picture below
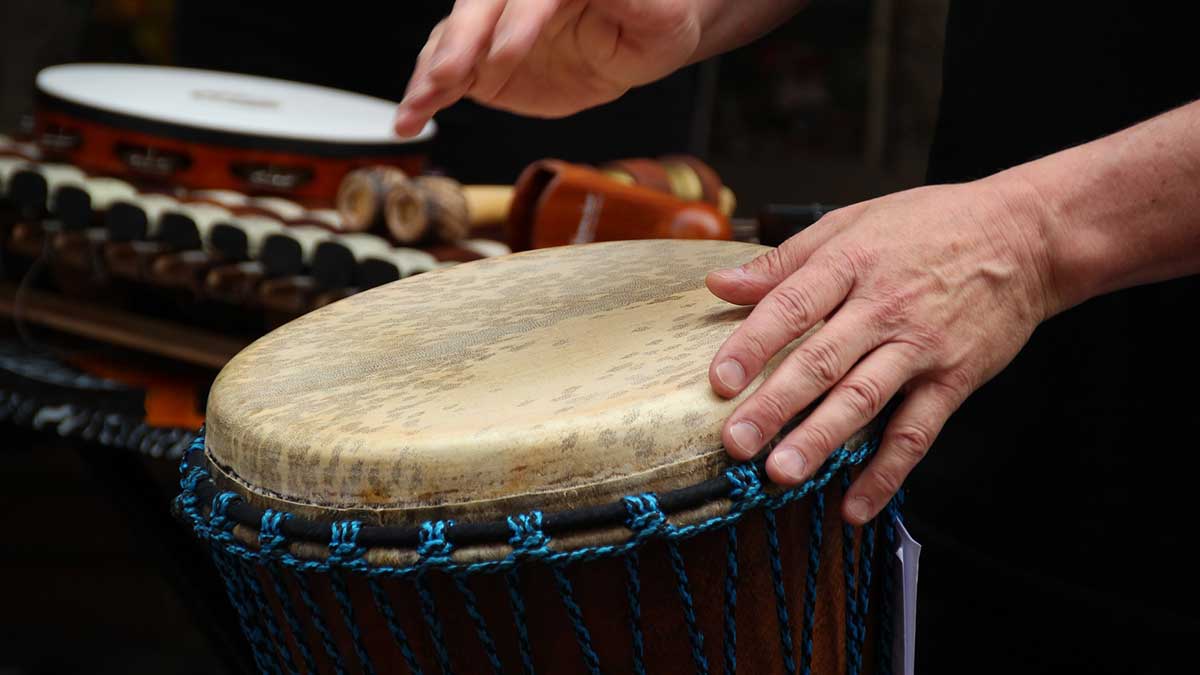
(556, 377)
(228, 103)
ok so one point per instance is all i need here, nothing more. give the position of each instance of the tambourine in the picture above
(211, 130)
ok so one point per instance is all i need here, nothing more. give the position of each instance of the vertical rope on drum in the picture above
(689, 609)
(886, 626)
(270, 538)
(318, 618)
(264, 610)
(384, 605)
(527, 541)
(853, 657)
(344, 550)
(222, 527)
(633, 591)
(816, 532)
(646, 519)
(513, 580)
(481, 629)
(731, 576)
(433, 549)
(781, 608)
(866, 561)
(575, 614)
(237, 598)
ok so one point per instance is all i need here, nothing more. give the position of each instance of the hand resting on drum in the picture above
(550, 58)
(932, 291)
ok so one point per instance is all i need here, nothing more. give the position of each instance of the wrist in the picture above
(1073, 261)
(1024, 231)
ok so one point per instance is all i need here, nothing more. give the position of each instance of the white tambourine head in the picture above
(228, 102)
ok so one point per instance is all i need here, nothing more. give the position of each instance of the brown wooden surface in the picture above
(118, 327)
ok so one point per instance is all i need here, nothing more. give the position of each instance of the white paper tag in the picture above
(908, 563)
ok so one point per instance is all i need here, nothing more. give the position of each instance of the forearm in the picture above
(729, 24)
(1120, 211)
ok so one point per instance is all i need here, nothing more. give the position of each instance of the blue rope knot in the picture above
(645, 516)
(192, 478)
(433, 547)
(343, 543)
(270, 531)
(218, 517)
(528, 540)
(187, 496)
(747, 484)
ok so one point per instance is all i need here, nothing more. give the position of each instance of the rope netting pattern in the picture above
(283, 645)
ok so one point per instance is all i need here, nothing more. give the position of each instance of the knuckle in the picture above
(817, 436)
(820, 361)
(793, 306)
(755, 348)
(773, 264)
(912, 441)
(885, 480)
(856, 259)
(864, 396)
(890, 309)
(952, 386)
(771, 407)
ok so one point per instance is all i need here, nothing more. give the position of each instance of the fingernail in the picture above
(791, 463)
(746, 437)
(731, 374)
(859, 509)
(732, 273)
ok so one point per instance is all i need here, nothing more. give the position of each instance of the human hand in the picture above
(929, 292)
(547, 58)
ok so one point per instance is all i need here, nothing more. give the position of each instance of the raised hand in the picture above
(547, 58)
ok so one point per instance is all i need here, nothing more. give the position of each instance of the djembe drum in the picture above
(515, 465)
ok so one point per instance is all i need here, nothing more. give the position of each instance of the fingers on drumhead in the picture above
(909, 435)
(851, 405)
(786, 313)
(811, 369)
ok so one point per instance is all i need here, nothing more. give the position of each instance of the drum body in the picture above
(534, 486)
(210, 130)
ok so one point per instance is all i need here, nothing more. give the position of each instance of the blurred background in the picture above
(837, 106)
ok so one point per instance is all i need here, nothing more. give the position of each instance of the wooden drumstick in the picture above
(360, 197)
(290, 251)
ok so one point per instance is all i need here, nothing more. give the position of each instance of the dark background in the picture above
(837, 106)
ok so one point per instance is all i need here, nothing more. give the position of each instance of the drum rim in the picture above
(230, 138)
(301, 529)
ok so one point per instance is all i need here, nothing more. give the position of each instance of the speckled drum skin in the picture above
(553, 379)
